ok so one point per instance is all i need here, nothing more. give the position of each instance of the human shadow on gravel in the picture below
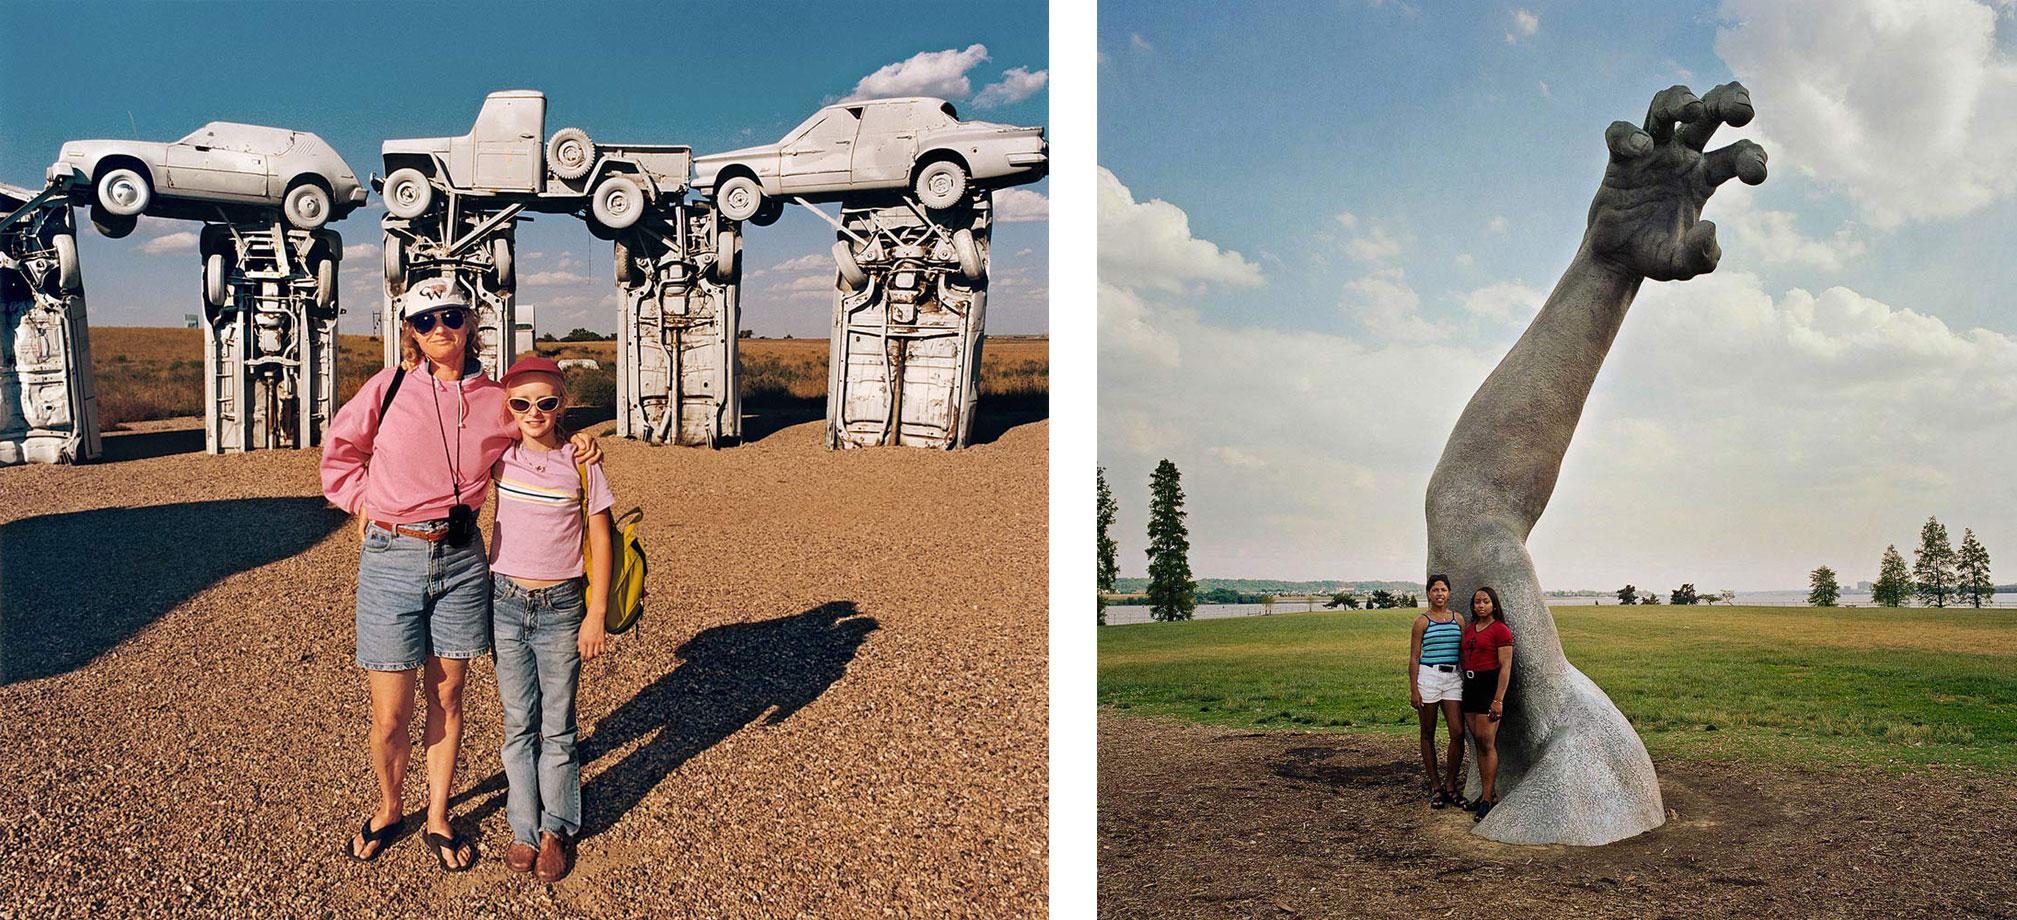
(731, 676)
(74, 585)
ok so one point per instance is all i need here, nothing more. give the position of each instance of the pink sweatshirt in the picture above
(399, 468)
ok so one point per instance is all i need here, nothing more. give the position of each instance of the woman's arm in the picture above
(1415, 661)
(1505, 680)
(592, 637)
(585, 448)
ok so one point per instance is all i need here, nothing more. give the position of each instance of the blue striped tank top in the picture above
(1441, 641)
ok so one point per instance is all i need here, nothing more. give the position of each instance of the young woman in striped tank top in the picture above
(1435, 682)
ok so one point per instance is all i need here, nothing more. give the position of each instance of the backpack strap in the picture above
(385, 404)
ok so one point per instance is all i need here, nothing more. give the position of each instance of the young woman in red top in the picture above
(1488, 671)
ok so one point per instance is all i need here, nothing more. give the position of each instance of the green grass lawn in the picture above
(1903, 688)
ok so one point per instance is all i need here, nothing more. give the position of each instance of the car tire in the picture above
(69, 279)
(306, 206)
(395, 262)
(768, 214)
(123, 193)
(407, 193)
(501, 266)
(112, 226)
(214, 272)
(625, 271)
(739, 198)
(325, 283)
(941, 184)
(971, 266)
(570, 154)
(851, 275)
(618, 202)
(727, 256)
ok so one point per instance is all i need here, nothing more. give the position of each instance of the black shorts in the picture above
(1479, 690)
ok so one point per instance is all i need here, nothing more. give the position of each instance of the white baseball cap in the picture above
(429, 295)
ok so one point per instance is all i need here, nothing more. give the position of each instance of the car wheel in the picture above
(306, 206)
(625, 271)
(727, 256)
(124, 193)
(970, 265)
(407, 193)
(768, 214)
(214, 288)
(851, 275)
(739, 198)
(68, 277)
(570, 153)
(941, 184)
(325, 283)
(112, 226)
(500, 264)
(618, 202)
(395, 261)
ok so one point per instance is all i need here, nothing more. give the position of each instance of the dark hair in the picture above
(1445, 579)
(1498, 609)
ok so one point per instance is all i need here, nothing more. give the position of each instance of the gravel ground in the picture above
(835, 706)
(1205, 821)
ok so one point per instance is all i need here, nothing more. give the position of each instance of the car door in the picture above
(209, 165)
(818, 159)
(885, 146)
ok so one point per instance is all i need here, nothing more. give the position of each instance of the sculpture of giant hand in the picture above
(1571, 769)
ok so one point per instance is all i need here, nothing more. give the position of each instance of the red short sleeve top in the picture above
(1481, 646)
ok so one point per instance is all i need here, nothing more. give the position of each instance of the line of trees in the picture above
(1685, 596)
(1939, 573)
(1172, 593)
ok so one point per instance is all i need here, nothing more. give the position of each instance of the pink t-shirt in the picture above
(539, 512)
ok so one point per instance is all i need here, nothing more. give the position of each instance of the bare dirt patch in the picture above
(835, 706)
(1202, 821)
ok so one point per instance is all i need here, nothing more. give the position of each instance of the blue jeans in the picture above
(538, 668)
(418, 597)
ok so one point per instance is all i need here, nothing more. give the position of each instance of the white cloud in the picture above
(1903, 106)
(810, 262)
(1504, 302)
(1149, 245)
(179, 241)
(356, 251)
(1020, 205)
(1374, 245)
(927, 73)
(1524, 24)
(1389, 308)
(1496, 225)
(558, 277)
(1017, 84)
(1348, 220)
(1137, 42)
(1774, 237)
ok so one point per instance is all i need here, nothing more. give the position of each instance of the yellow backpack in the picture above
(626, 571)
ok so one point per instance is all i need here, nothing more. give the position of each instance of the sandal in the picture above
(1438, 798)
(454, 844)
(1457, 798)
(382, 836)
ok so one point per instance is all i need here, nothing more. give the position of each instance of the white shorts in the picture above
(1437, 686)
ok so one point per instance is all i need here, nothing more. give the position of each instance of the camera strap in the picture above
(454, 465)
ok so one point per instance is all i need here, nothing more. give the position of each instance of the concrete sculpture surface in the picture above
(678, 274)
(1572, 770)
(269, 333)
(215, 172)
(913, 143)
(48, 407)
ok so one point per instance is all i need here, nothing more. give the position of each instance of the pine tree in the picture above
(1109, 551)
(1894, 582)
(1933, 564)
(1972, 570)
(1822, 588)
(1685, 594)
(1171, 589)
(1628, 595)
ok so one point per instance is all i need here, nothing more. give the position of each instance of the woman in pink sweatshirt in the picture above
(410, 454)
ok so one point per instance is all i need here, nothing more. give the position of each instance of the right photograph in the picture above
(1554, 462)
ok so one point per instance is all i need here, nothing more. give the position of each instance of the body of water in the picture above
(1119, 615)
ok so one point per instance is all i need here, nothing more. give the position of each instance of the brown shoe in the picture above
(552, 865)
(519, 857)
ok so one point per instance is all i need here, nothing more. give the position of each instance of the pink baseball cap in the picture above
(534, 364)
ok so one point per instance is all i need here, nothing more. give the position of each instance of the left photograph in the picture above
(541, 465)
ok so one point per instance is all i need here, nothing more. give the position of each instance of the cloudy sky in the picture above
(358, 73)
(1321, 228)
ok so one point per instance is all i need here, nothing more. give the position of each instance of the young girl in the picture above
(1488, 671)
(1435, 682)
(545, 621)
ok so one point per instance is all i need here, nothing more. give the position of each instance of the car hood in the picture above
(744, 153)
(84, 150)
(417, 145)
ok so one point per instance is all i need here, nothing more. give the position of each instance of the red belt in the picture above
(428, 535)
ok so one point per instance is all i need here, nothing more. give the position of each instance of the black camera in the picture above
(461, 525)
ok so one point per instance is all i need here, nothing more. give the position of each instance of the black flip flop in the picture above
(382, 836)
(436, 842)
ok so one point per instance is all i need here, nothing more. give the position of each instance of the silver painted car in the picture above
(914, 142)
(217, 169)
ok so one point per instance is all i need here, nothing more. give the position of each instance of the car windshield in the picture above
(949, 111)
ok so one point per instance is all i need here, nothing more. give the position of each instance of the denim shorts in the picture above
(417, 598)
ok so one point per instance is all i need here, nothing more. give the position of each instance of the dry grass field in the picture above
(146, 373)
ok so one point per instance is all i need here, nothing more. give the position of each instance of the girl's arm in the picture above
(1505, 680)
(1415, 661)
(592, 637)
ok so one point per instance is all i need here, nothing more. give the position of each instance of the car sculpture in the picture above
(502, 157)
(213, 173)
(915, 142)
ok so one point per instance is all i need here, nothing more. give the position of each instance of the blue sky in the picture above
(1358, 206)
(641, 73)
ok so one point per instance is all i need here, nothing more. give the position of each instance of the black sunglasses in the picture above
(545, 403)
(451, 318)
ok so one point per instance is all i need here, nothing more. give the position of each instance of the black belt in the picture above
(1472, 675)
(1445, 668)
